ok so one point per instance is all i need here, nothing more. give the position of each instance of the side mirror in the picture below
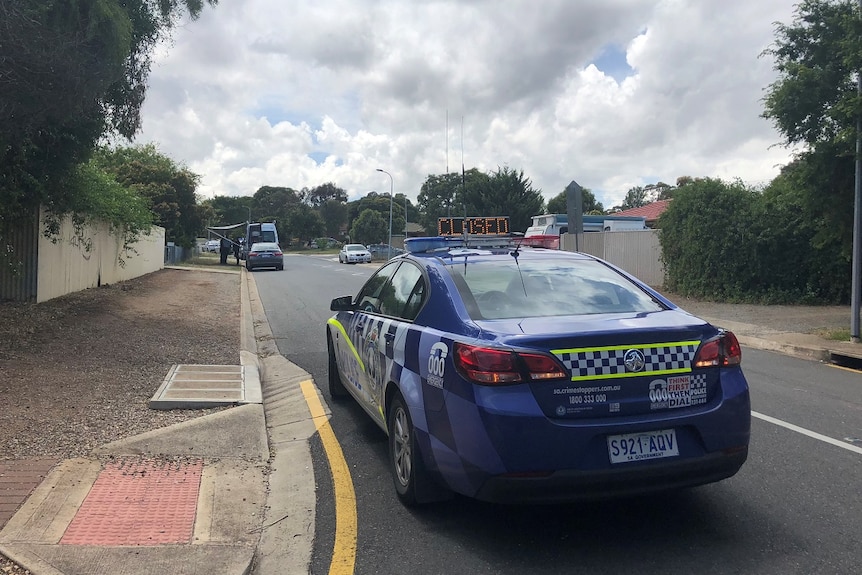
(343, 303)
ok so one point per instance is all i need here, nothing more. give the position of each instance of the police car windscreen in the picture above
(502, 290)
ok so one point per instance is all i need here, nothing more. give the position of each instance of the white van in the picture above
(259, 232)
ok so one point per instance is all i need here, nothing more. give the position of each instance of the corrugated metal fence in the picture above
(19, 242)
(637, 252)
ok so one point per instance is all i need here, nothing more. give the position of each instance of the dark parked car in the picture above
(264, 255)
(383, 251)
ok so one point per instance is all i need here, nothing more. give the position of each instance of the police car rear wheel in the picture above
(336, 386)
(402, 452)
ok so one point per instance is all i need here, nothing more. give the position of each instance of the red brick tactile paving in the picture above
(18, 478)
(139, 502)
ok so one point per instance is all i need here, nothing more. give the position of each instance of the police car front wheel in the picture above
(336, 385)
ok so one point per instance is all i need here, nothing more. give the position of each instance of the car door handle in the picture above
(389, 336)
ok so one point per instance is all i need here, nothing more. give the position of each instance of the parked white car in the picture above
(354, 254)
(211, 246)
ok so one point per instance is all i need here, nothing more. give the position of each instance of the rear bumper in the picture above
(628, 480)
(263, 264)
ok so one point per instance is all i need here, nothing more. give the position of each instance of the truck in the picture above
(546, 229)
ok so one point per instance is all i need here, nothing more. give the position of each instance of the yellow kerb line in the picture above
(344, 549)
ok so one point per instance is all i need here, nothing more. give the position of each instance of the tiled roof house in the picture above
(650, 211)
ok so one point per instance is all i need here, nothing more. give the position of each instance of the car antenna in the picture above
(515, 255)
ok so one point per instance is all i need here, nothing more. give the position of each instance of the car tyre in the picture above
(336, 385)
(280, 268)
(404, 464)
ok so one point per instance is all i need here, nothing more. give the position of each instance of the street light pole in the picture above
(391, 191)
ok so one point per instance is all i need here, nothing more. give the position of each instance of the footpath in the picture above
(233, 492)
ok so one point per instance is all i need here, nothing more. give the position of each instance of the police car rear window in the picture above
(507, 289)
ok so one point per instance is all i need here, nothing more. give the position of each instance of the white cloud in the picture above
(257, 94)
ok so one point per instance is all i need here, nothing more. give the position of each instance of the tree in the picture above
(304, 223)
(436, 198)
(814, 98)
(708, 239)
(274, 202)
(334, 215)
(506, 192)
(319, 195)
(71, 72)
(226, 210)
(636, 197)
(372, 201)
(369, 228)
(814, 103)
(559, 203)
(168, 187)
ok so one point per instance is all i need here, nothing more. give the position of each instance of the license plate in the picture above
(641, 446)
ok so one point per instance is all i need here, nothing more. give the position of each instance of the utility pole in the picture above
(575, 210)
(856, 290)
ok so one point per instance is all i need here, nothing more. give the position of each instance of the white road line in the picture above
(809, 433)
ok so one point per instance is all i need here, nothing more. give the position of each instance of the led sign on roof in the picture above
(474, 226)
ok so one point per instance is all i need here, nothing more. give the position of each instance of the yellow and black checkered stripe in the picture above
(607, 362)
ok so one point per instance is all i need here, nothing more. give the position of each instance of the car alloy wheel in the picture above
(336, 385)
(402, 452)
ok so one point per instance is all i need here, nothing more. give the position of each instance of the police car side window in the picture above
(407, 293)
(377, 289)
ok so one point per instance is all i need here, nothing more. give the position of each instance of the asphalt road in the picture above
(795, 507)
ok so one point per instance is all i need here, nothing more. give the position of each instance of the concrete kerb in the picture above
(795, 344)
(287, 535)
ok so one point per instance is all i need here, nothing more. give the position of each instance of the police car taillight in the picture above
(721, 351)
(489, 366)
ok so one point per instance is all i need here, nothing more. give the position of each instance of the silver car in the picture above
(354, 254)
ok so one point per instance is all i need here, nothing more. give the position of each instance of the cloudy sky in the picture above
(609, 93)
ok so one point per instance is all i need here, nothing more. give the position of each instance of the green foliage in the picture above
(437, 197)
(304, 223)
(98, 197)
(334, 215)
(168, 188)
(559, 203)
(502, 193)
(72, 72)
(320, 195)
(226, 210)
(706, 240)
(729, 242)
(636, 197)
(505, 192)
(814, 99)
(370, 228)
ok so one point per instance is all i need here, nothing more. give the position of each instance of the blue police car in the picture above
(517, 374)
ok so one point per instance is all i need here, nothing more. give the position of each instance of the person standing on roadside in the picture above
(224, 250)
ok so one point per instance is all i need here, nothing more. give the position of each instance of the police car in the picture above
(517, 374)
